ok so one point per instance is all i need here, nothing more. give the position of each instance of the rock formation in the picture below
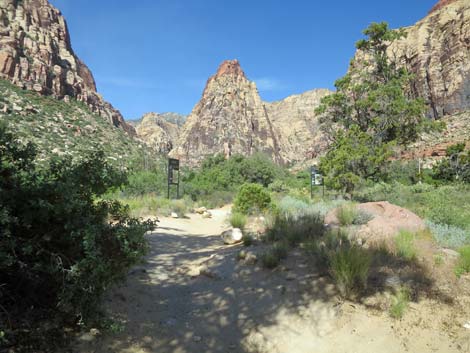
(295, 123)
(158, 131)
(230, 118)
(36, 54)
(437, 51)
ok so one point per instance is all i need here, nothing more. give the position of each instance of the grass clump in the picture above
(237, 220)
(273, 256)
(346, 214)
(404, 244)
(350, 266)
(400, 302)
(295, 230)
(248, 240)
(252, 198)
(463, 266)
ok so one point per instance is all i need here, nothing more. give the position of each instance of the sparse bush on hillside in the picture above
(449, 236)
(404, 244)
(463, 266)
(252, 198)
(58, 251)
(237, 220)
(295, 228)
(400, 302)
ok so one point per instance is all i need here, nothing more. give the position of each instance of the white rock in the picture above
(174, 215)
(200, 210)
(207, 214)
(232, 236)
(467, 325)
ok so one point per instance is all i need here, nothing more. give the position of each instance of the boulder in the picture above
(174, 215)
(387, 221)
(200, 210)
(232, 236)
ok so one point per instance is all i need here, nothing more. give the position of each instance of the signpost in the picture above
(173, 165)
(316, 179)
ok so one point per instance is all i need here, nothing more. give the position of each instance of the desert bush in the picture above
(463, 266)
(237, 220)
(350, 266)
(295, 229)
(404, 244)
(58, 250)
(251, 198)
(247, 240)
(362, 217)
(400, 302)
(449, 236)
(346, 214)
(273, 256)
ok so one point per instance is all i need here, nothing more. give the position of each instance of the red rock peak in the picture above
(230, 67)
(441, 4)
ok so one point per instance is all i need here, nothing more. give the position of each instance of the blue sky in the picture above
(156, 55)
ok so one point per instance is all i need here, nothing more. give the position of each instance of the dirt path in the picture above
(173, 304)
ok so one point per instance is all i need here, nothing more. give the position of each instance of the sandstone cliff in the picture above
(159, 131)
(297, 126)
(36, 54)
(230, 118)
(437, 51)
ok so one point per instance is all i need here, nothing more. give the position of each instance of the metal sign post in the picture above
(173, 165)
(316, 179)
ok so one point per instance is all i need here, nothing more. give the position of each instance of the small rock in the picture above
(200, 210)
(250, 258)
(232, 236)
(290, 276)
(197, 338)
(450, 252)
(207, 214)
(174, 215)
(95, 332)
(467, 325)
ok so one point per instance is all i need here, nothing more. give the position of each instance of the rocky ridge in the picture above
(437, 51)
(36, 54)
(158, 131)
(230, 118)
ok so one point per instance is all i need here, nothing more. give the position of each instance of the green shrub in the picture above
(463, 266)
(237, 220)
(295, 229)
(404, 244)
(350, 266)
(400, 302)
(247, 240)
(346, 214)
(362, 217)
(58, 250)
(449, 236)
(252, 198)
(273, 256)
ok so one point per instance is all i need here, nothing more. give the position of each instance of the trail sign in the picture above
(173, 165)
(316, 179)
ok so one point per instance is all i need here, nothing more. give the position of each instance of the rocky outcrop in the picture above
(158, 131)
(297, 126)
(437, 51)
(230, 118)
(36, 54)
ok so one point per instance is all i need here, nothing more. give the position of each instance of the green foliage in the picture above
(354, 156)
(273, 256)
(463, 266)
(350, 266)
(372, 110)
(404, 244)
(247, 240)
(237, 220)
(456, 167)
(449, 236)
(252, 198)
(400, 302)
(60, 249)
(218, 174)
(346, 214)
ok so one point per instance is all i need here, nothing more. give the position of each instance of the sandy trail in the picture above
(166, 307)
